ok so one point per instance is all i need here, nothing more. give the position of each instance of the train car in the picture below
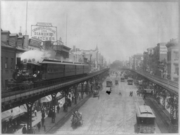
(145, 119)
(35, 73)
(57, 69)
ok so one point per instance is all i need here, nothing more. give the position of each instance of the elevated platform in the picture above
(17, 99)
(166, 84)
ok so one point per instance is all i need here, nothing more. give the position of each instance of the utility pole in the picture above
(66, 29)
(26, 16)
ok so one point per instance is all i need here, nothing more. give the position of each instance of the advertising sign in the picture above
(44, 32)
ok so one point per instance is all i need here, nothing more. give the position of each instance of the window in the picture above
(176, 70)
(12, 63)
(169, 56)
(6, 63)
(2, 63)
(176, 55)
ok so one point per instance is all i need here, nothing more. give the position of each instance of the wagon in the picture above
(122, 79)
(130, 81)
(108, 83)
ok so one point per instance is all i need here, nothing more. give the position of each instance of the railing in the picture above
(167, 84)
(163, 80)
(48, 89)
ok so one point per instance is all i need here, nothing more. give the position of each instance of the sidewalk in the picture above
(163, 113)
(60, 119)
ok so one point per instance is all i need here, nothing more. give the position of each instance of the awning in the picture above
(13, 113)
(46, 99)
(18, 111)
(6, 115)
(148, 90)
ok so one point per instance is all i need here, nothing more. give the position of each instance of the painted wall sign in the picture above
(44, 32)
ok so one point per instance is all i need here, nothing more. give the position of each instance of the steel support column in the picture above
(172, 108)
(75, 93)
(164, 99)
(82, 90)
(87, 88)
(29, 117)
(53, 106)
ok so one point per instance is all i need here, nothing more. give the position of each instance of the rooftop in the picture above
(5, 31)
(13, 35)
(172, 42)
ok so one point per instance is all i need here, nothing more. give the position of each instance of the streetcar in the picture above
(145, 119)
(122, 79)
(108, 83)
(95, 93)
(130, 81)
(116, 82)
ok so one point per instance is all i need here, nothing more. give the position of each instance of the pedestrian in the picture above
(24, 130)
(42, 120)
(43, 114)
(53, 117)
(35, 112)
(44, 128)
(58, 108)
(39, 126)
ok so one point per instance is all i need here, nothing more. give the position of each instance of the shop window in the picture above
(176, 56)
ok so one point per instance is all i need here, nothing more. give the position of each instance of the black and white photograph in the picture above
(105, 67)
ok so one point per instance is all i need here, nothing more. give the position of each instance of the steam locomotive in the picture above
(31, 74)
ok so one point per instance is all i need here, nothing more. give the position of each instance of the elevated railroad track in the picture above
(21, 97)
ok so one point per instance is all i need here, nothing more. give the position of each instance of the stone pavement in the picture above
(60, 119)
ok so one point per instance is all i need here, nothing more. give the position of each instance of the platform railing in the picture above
(48, 89)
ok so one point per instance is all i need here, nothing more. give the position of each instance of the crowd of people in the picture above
(12, 126)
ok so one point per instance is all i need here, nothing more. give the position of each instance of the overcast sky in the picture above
(119, 29)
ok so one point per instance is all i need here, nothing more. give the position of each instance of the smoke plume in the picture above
(38, 55)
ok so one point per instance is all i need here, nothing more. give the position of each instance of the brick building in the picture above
(11, 47)
(35, 44)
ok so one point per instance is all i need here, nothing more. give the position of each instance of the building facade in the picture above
(173, 60)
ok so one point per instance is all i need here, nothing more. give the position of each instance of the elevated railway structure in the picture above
(28, 97)
(165, 92)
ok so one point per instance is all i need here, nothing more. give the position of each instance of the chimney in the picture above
(13, 39)
(5, 36)
(20, 41)
(26, 41)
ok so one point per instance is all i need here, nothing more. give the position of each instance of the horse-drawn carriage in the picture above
(130, 81)
(76, 120)
(108, 83)
(95, 93)
(122, 79)
(116, 82)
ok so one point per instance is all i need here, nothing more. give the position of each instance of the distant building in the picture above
(35, 44)
(137, 61)
(61, 52)
(12, 45)
(8, 55)
(47, 46)
(92, 57)
(159, 59)
(173, 60)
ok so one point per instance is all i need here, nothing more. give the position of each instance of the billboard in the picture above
(44, 32)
